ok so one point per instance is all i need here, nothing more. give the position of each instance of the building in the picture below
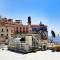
(15, 27)
(8, 28)
(5, 31)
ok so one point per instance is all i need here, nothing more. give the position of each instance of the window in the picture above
(20, 27)
(7, 30)
(17, 27)
(20, 30)
(1, 34)
(27, 28)
(7, 34)
(16, 30)
(2, 30)
(23, 27)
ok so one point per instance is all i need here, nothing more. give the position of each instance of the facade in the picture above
(5, 31)
(15, 27)
(5, 34)
(5, 28)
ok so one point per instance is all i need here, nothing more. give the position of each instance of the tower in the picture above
(29, 24)
(29, 20)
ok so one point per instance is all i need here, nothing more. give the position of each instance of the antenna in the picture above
(40, 22)
(0, 16)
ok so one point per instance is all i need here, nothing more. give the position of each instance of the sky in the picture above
(47, 11)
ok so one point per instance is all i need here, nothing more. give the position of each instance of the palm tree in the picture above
(53, 34)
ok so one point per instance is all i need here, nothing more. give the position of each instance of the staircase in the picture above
(37, 41)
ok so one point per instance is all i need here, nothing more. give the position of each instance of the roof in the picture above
(38, 25)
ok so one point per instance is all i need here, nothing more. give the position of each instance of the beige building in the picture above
(6, 32)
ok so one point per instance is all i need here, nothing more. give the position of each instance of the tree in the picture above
(53, 34)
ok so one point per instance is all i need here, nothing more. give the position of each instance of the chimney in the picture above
(10, 20)
(18, 21)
